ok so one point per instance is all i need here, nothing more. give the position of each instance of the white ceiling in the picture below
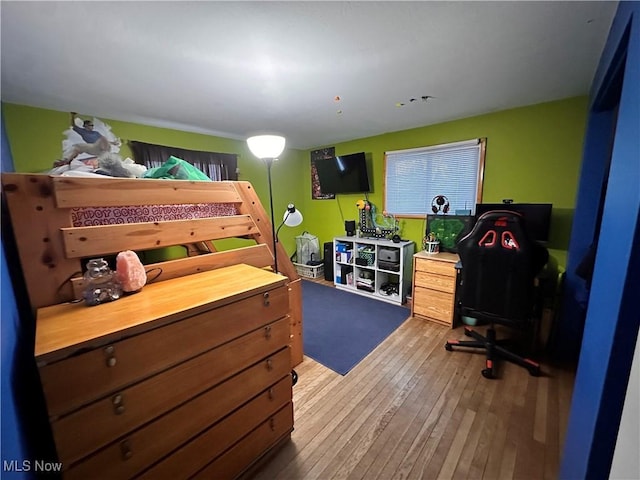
(237, 68)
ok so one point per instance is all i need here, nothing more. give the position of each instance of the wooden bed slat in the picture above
(72, 192)
(255, 255)
(251, 205)
(106, 239)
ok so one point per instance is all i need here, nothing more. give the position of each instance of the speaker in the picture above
(328, 261)
(350, 227)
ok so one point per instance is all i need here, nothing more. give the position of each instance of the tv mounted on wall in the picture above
(343, 174)
(537, 216)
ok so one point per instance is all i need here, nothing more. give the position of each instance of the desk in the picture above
(434, 287)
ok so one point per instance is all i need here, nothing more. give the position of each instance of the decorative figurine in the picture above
(102, 284)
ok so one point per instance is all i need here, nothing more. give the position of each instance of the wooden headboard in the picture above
(52, 243)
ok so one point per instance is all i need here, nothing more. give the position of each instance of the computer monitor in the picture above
(449, 229)
(537, 216)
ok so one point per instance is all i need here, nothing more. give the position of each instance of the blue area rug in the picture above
(341, 328)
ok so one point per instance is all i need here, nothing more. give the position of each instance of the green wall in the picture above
(533, 155)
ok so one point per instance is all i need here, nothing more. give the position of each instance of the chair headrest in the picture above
(499, 228)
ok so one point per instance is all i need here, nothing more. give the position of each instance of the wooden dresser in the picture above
(190, 376)
(434, 287)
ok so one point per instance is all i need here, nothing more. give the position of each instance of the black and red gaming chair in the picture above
(499, 266)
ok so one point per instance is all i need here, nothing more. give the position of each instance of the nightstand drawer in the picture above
(435, 282)
(433, 304)
(437, 267)
(78, 380)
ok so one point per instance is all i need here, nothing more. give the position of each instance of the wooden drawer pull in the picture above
(265, 299)
(269, 364)
(125, 450)
(267, 331)
(270, 393)
(272, 423)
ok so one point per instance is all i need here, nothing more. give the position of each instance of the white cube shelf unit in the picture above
(376, 268)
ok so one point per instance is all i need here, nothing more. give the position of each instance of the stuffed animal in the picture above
(111, 164)
(135, 168)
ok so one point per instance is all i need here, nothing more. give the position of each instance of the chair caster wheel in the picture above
(467, 332)
(447, 347)
(487, 373)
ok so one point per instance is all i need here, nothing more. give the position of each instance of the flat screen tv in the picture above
(537, 216)
(343, 174)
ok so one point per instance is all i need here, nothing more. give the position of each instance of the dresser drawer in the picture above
(434, 304)
(192, 457)
(97, 424)
(236, 460)
(268, 383)
(435, 282)
(78, 380)
(437, 267)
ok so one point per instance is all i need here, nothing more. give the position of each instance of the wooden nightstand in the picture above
(434, 287)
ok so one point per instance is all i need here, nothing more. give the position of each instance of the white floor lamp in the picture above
(268, 148)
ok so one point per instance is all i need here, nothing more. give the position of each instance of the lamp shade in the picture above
(266, 146)
(292, 216)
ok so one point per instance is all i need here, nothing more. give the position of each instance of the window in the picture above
(413, 178)
(217, 166)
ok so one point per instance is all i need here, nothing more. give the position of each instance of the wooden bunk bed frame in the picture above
(52, 249)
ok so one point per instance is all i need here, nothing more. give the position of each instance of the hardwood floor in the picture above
(412, 410)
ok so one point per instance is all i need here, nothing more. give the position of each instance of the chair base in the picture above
(493, 351)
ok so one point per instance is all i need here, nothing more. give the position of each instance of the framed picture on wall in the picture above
(324, 154)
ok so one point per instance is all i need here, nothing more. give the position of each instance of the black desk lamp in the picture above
(268, 148)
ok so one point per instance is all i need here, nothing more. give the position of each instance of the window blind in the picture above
(414, 177)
